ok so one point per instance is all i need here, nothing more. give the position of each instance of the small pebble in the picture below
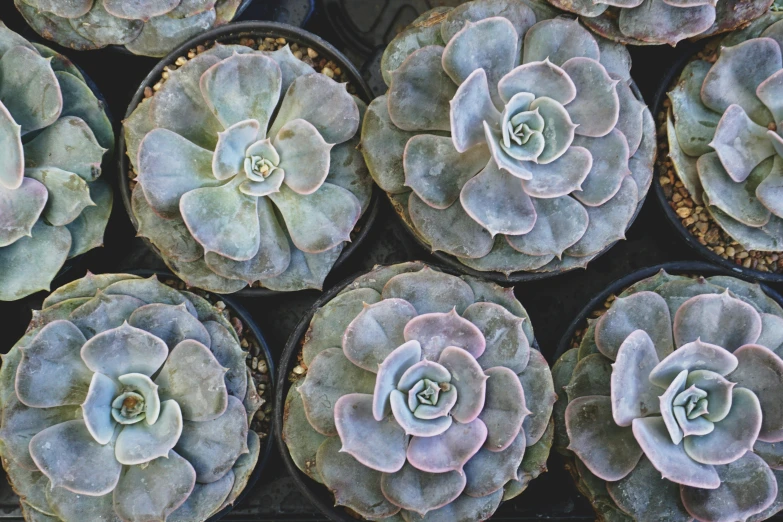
(298, 370)
(312, 53)
(254, 364)
(181, 61)
(684, 212)
(327, 72)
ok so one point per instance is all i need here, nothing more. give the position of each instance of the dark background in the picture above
(360, 28)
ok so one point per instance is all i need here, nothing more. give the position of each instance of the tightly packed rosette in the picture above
(127, 401)
(54, 137)
(672, 402)
(656, 22)
(145, 27)
(509, 138)
(423, 399)
(247, 170)
(725, 132)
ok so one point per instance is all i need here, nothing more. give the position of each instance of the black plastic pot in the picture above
(673, 219)
(316, 493)
(230, 33)
(247, 320)
(676, 268)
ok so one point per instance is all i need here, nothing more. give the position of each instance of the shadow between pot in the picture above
(229, 33)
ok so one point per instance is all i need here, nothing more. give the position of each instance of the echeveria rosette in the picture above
(247, 170)
(54, 138)
(509, 137)
(672, 402)
(657, 22)
(725, 134)
(144, 27)
(423, 399)
(127, 401)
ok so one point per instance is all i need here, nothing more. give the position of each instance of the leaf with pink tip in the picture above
(561, 177)
(672, 26)
(304, 156)
(242, 87)
(229, 157)
(420, 92)
(670, 459)
(719, 392)
(633, 395)
(70, 506)
(487, 292)
(383, 145)
(51, 372)
(20, 209)
(319, 221)
(170, 236)
(608, 450)
(592, 375)
(305, 270)
(559, 40)
(422, 492)
(488, 471)
(204, 500)
(540, 397)
(424, 369)
(30, 90)
(436, 171)
(560, 222)
(322, 102)
(693, 356)
(413, 425)
(290, 66)
(69, 144)
(418, 288)
(376, 332)
(721, 320)
(491, 44)
(436, 331)
(72, 459)
(96, 408)
(505, 341)
(770, 92)
(68, 195)
(771, 332)
(140, 443)
(760, 370)
(138, 9)
(104, 312)
(12, 162)
(497, 201)
(471, 106)
(448, 451)
(539, 78)
(504, 408)
(768, 192)
(195, 380)
(746, 487)
(380, 445)
(123, 350)
(521, 16)
(741, 144)
(609, 168)
(596, 108)
(329, 377)
(390, 370)
(736, 75)
(630, 122)
(229, 354)
(212, 447)
(354, 485)
(641, 311)
(68, 9)
(299, 436)
(469, 380)
(170, 166)
(170, 323)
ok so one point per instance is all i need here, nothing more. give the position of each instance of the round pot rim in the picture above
(701, 268)
(269, 442)
(291, 350)
(674, 220)
(231, 31)
(521, 276)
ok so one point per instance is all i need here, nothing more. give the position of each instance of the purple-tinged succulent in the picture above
(509, 137)
(247, 170)
(423, 398)
(54, 138)
(657, 22)
(145, 27)
(127, 401)
(672, 402)
(725, 134)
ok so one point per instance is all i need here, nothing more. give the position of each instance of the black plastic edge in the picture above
(660, 95)
(246, 318)
(675, 267)
(316, 493)
(233, 31)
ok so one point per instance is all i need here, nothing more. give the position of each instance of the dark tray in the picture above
(552, 304)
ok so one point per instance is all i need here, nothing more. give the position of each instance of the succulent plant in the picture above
(656, 22)
(127, 400)
(725, 134)
(145, 27)
(538, 166)
(423, 398)
(247, 170)
(54, 137)
(671, 405)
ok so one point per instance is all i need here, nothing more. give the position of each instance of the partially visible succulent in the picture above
(145, 27)
(247, 170)
(725, 134)
(672, 403)
(423, 399)
(656, 22)
(127, 401)
(510, 138)
(54, 138)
